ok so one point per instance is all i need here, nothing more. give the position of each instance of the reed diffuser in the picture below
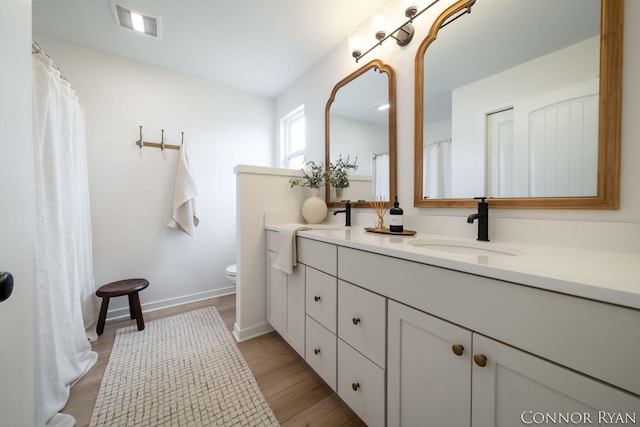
(381, 210)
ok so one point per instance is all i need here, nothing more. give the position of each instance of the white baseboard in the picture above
(252, 332)
(121, 313)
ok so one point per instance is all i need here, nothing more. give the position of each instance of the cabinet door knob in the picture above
(355, 320)
(316, 298)
(316, 351)
(457, 349)
(480, 359)
(355, 386)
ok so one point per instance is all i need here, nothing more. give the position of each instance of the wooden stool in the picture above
(129, 287)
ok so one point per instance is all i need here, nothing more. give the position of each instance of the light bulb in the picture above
(137, 22)
(356, 41)
(378, 22)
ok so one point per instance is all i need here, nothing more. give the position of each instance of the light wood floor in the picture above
(296, 394)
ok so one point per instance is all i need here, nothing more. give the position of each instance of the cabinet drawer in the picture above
(321, 352)
(319, 255)
(322, 293)
(362, 317)
(361, 385)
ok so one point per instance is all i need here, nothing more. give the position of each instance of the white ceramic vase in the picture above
(314, 209)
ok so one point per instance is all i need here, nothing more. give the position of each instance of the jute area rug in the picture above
(183, 370)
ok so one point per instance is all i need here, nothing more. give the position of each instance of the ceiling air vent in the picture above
(136, 20)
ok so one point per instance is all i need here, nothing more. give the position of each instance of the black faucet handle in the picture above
(481, 198)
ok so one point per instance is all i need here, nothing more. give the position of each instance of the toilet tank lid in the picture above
(231, 269)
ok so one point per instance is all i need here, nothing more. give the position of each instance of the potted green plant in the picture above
(314, 176)
(339, 174)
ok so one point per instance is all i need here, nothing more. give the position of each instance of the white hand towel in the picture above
(286, 256)
(183, 214)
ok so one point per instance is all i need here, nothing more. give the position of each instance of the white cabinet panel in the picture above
(293, 331)
(516, 388)
(322, 298)
(275, 294)
(361, 385)
(321, 351)
(427, 383)
(362, 321)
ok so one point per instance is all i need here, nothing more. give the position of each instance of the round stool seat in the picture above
(129, 287)
(122, 287)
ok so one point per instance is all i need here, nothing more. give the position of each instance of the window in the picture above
(293, 144)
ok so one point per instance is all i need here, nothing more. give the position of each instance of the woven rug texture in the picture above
(184, 370)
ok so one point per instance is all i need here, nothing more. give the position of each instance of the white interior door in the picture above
(500, 154)
(17, 216)
(561, 128)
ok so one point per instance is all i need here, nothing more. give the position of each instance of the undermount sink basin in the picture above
(464, 247)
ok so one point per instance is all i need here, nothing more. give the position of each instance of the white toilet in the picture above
(230, 272)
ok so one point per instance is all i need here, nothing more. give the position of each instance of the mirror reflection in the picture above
(511, 96)
(361, 129)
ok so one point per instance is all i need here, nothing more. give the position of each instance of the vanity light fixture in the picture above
(402, 35)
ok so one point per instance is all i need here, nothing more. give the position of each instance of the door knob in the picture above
(6, 285)
(457, 349)
(480, 359)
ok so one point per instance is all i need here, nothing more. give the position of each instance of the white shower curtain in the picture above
(65, 304)
(381, 176)
(436, 182)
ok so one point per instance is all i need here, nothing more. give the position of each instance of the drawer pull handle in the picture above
(355, 320)
(457, 349)
(316, 351)
(316, 298)
(355, 386)
(480, 359)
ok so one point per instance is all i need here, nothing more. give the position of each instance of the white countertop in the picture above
(603, 276)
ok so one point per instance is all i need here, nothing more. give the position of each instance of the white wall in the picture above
(17, 215)
(131, 188)
(610, 230)
(355, 138)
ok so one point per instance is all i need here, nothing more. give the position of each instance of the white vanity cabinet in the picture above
(442, 374)
(406, 343)
(540, 345)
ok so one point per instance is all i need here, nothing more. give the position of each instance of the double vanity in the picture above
(433, 330)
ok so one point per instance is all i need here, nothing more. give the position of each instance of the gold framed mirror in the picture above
(355, 127)
(601, 188)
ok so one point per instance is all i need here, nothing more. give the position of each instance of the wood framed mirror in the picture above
(522, 172)
(360, 122)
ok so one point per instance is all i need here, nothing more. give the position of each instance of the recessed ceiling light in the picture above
(133, 18)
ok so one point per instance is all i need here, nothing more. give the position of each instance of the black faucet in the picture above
(483, 219)
(347, 213)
